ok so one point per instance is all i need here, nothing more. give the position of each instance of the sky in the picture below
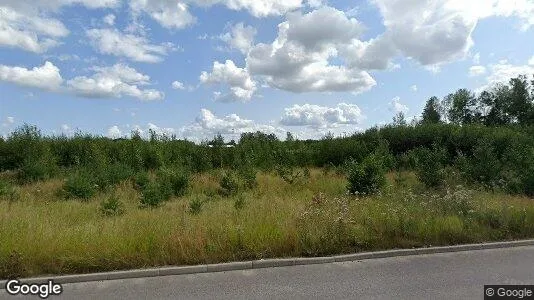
(197, 68)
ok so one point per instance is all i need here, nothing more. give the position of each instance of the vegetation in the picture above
(462, 173)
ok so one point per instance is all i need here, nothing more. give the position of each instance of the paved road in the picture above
(460, 275)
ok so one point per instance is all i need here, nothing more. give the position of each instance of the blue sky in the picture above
(196, 68)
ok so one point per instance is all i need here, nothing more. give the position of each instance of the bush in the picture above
(195, 206)
(289, 174)
(229, 185)
(429, 167)
(141, 180)
(173, 182)
(247, 175)
(152, 195)
(112, 207)
(37, 169)
(5, 188)
(365, 178)
(80, 185)
(112, 175)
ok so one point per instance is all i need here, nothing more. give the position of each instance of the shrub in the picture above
(111, 175)
(173, 182)
(36, 169)
(80, 185)
(229, 185)
(289, 174)
(141, 180)
(248, 176)
(429, 168)
(365, 178)
(152, 195)
(195, 206)
(112, 207)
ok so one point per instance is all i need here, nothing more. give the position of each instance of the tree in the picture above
(520, 106)
(496, 105)
(399, 119)
(431, 112)
(461, 107)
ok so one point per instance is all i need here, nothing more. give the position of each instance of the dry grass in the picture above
(43, 234)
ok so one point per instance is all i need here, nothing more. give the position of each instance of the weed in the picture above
(112, 206)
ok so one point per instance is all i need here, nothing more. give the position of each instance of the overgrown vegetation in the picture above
(462, 173)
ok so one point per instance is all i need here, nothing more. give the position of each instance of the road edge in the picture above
(267, 263)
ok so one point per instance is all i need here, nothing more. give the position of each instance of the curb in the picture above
(267, 263)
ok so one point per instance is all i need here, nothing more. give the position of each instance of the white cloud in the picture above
(116, 81)
(46, 77)
(114, 132)
(240, 37)
(168, 13)
(177, 85)
(503, 71)
(259, 8)
(242, 87)
(30, 25)
(477, 71)
(414, 88)
(207, 125)
(321, 116)
(396, 106)
(298, 59)
(109, 19)
(29, 32)
(134, 47)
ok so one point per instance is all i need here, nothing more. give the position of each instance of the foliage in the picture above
(430, 170)
(229, 184)
(152, 195)
(80, 185)
(367, 177)
(195, 206)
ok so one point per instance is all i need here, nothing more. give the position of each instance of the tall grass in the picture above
(44, 234)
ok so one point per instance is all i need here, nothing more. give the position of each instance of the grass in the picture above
(46, 234)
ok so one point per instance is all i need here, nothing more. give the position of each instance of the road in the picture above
(460, 275)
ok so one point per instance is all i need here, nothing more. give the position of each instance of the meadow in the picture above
(45, 234)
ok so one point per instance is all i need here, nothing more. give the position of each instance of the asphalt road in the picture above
(460, 275)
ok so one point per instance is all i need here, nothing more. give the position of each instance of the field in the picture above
(44, 233)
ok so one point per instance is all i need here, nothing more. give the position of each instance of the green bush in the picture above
(229, 185)
(80, 185)
(247, 174)
(141, 180)
(173, 182)
(290, 174)
(112, 207)
(5, 188)
(367, 177)
(112, 175)
(152, 195)
(37, 168)
(429, 167)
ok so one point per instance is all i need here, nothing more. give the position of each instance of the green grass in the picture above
(43, 233)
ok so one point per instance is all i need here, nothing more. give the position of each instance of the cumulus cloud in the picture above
(240, 37)
(502, 71)
(134, 47)
(114, 82)
(46, 77)
(298, 59)
(397, 107)
(8, 121)
(322, 116)
(114, 132)
(168, 13)
(242, 87)
(177, 85)
(207, 125)
(30, 25)
(477, 71)
(414, 88)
